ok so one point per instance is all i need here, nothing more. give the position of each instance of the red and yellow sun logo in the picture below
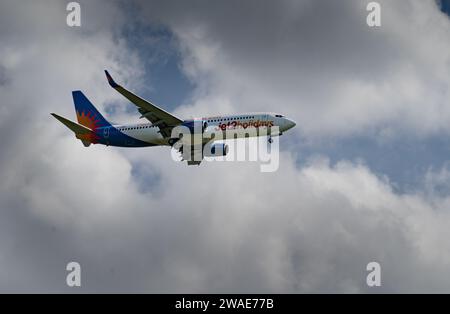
(88, 120)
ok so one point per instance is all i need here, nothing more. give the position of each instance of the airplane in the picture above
(93, 128)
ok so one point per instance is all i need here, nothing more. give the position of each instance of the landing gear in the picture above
(172, 141)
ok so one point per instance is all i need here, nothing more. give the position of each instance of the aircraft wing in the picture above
(157, 116)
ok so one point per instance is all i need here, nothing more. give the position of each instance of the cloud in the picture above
(320, 62)
(138, 222)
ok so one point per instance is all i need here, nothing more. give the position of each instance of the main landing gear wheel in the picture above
(172, 141)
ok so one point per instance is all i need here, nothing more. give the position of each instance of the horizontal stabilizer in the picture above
(75, 127)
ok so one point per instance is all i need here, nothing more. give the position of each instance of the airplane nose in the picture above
(290, 124)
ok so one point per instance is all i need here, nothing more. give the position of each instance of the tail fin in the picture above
(87, 115)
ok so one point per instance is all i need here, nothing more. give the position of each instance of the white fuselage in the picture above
(239, 125)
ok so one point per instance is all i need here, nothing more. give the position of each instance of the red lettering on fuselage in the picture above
(244, 125)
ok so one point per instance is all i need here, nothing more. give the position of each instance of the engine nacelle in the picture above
(216, 150)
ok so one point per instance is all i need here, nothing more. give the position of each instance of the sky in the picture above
(364, 176)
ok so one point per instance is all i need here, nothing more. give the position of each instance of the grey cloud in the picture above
(4, 77)
(332, 72)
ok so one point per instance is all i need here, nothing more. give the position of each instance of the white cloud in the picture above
(320, 62)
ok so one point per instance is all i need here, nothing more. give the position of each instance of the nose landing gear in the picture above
(270, 139)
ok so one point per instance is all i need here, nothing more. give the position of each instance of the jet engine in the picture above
(216, 150)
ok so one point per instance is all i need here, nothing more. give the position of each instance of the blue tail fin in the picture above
(87, 115)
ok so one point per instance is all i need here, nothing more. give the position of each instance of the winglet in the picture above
(110, 80)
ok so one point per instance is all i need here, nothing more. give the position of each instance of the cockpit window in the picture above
(279, 116)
